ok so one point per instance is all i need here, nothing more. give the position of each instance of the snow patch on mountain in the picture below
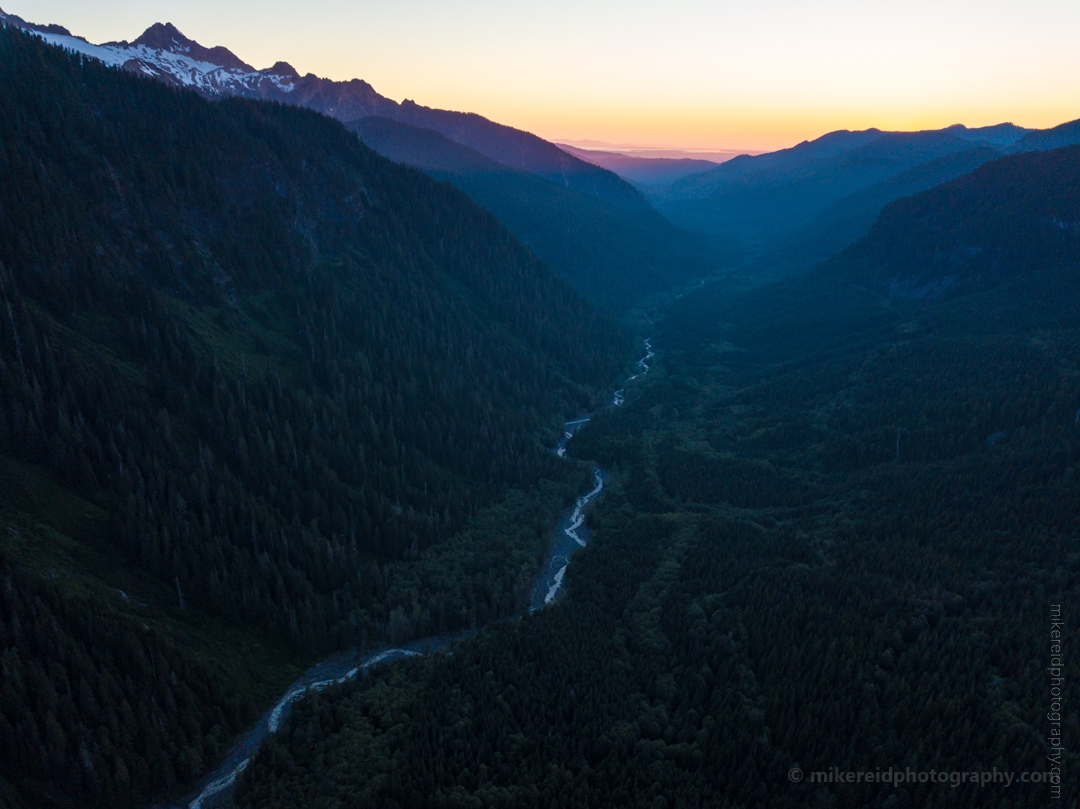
(173, 64)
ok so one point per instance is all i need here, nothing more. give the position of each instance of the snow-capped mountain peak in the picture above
(165, 37)
(164, 53)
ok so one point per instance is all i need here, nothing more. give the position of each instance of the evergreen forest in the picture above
(613, 251)
(257, 381)
(278, 391)
(843, 509)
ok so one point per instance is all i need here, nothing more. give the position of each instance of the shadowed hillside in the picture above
(262, 388)
(842, 516)
(614, 256)
(796, 207)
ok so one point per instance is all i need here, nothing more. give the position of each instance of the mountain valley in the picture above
(358, 453)
(590, 225)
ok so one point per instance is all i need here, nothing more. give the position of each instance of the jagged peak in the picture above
(283, 69)
(167, 37)
(164, 36)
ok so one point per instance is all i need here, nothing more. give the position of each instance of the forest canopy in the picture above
(302, 388)
(842, 510)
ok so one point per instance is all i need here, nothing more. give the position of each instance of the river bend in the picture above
(570, 534)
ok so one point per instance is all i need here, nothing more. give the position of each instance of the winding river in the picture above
(571, 533)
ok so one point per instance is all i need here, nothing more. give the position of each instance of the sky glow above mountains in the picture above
(683, 74)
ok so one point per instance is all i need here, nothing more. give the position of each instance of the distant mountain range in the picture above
(850, 217)
(796, 207)
(591, 225)
(642, 170)
(612, 255)
(1012, 221)
(993, 250)
(592, 214)
(164, 53)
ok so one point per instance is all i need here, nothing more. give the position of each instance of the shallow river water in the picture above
(570, 534)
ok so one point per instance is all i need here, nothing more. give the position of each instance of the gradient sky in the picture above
(683, 73)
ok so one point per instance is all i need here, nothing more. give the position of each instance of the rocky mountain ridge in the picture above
(164, 53)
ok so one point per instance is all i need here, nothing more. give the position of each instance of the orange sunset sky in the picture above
(682, 74)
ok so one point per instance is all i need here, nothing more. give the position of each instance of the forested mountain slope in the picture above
(1012, 221)
(524, 151)
(1004, 135)
(593, 227)
(166, 54)
(849, 218)
(258, 363)
(1067, 134)
(842, 512)
(773, 200)
(796, 207)
(791, 163)
(614, 256)
(1004, 235)
(421, 148)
